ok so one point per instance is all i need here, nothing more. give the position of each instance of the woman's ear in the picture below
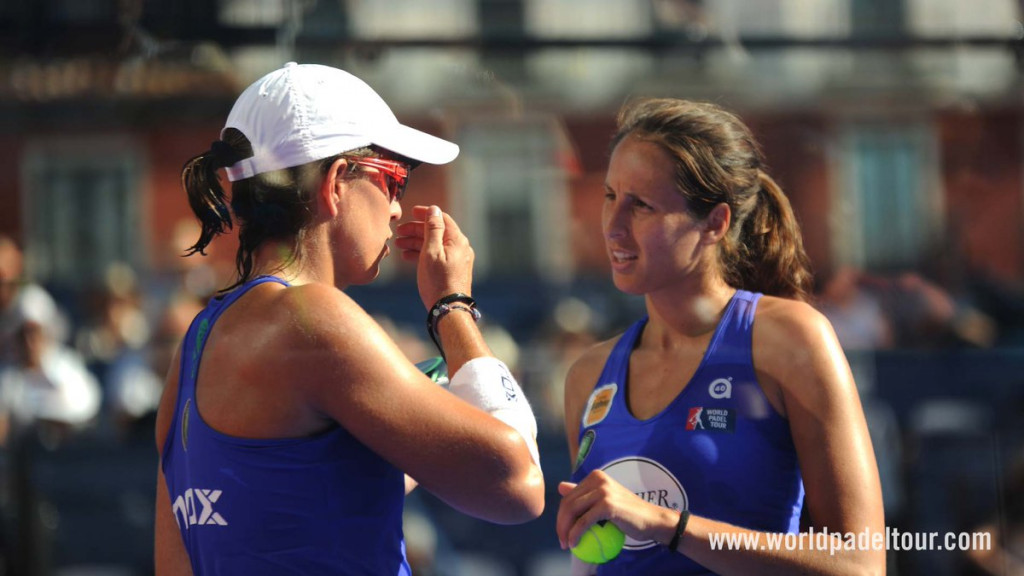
(331, 186)
(716, 225)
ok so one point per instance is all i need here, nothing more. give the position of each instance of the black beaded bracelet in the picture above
(684, 519)
(456, 301)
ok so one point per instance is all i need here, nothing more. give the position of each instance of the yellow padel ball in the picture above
(600, 543)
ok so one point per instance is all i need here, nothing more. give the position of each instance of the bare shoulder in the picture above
(585, 371)
(319, 316)
(579, 383)
(796, 350)
(782, 321)
(315, 331)
(318, 309)
(580, 380)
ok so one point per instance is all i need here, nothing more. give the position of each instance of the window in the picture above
(82, 208)
(511, 197)
(891, 206)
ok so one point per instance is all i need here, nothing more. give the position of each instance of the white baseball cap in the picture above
(306, 112)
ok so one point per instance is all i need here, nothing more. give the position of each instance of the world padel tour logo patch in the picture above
(599, 404)
(711, 419)
(652, 482)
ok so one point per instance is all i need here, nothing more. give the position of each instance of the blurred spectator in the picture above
(855, 312)
(16, 292)
(115, 318)
(116, 347)
(47, 387)
(44, 385)
(905, 311)
(924, 315)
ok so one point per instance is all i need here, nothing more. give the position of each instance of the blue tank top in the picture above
(319, 505)
(718, 449)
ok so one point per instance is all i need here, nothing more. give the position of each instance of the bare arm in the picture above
(350, 370)
(796, 350)
(170, 556)
(353, 373)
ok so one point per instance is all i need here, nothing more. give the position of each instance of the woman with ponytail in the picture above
(711, 415)
(291, 425)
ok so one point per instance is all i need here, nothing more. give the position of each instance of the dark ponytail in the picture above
(270, 206)
(717, 161)
(201, 181)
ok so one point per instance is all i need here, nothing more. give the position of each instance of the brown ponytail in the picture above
(718, 161)
(772, 257)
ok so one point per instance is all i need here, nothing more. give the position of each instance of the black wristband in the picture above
(442, 307)
(455, 297)
(684, 519)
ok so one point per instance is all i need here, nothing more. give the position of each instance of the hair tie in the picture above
(223, 154)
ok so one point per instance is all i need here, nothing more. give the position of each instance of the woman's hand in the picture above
(442, 252)
(599, 497)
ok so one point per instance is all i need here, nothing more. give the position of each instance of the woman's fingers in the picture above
(582, 505)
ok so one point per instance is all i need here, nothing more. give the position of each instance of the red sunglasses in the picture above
(396, 174)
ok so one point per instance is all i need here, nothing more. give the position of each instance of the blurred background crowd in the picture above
(896, 127)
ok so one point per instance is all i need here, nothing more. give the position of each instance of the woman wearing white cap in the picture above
(283, 451)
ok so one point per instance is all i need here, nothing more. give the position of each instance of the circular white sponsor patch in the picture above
(650, 481)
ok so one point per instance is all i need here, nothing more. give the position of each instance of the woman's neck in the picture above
(279, 258)
(686, 314)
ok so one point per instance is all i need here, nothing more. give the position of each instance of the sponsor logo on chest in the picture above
(711, 419)
(652, 482)
(599, 404)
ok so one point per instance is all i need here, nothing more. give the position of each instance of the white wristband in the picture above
(486, 383)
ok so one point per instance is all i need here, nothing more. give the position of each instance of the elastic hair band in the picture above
(223, 154)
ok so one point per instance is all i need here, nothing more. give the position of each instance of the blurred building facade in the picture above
(895, 127)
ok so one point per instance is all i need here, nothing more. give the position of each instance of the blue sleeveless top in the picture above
(718, 449)
(318, 505)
